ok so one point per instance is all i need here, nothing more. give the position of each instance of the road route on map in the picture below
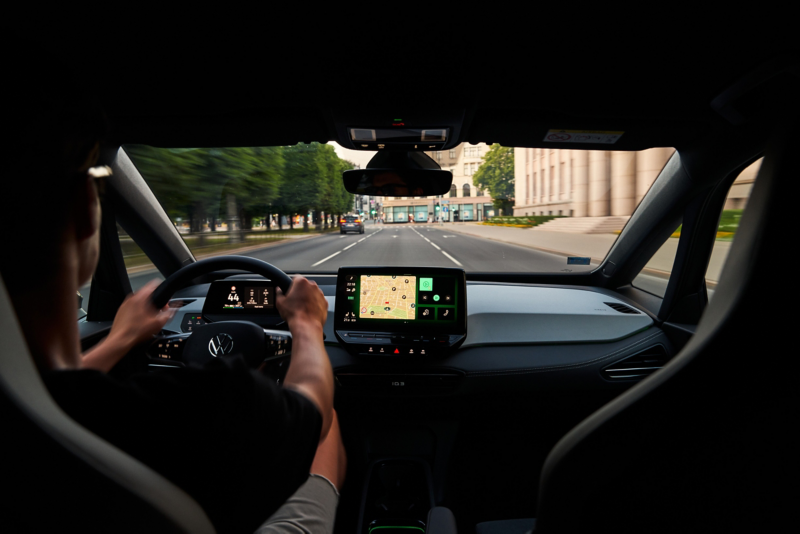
(388, 297)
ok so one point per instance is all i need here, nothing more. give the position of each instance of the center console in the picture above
(400, 312)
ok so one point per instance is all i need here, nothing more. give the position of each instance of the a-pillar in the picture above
(599, 183)
(648, 166)
(580, 181)
(623, 182)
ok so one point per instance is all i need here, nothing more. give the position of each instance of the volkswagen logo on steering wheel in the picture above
(220, 344)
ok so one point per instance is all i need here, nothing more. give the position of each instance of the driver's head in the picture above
(52, 211)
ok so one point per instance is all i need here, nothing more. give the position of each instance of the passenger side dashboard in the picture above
(520, 337)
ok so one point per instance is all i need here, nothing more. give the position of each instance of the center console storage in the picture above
(397, 496)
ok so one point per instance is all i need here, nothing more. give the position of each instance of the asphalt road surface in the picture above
(406, 245)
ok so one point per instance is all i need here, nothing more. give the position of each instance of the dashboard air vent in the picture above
(620, 307)
(637, 366)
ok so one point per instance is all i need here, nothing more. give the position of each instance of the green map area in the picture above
(388, 297)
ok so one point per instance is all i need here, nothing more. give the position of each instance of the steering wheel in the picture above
(261, 348)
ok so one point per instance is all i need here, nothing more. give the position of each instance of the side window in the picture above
(654, 276)
(139, 267)
(735, 204)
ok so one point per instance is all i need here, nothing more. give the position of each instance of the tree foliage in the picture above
(496, 174)
(210, 184)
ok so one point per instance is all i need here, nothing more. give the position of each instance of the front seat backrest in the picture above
(57, 476)
(707, 444)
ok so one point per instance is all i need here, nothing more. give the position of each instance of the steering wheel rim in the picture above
(179, 278)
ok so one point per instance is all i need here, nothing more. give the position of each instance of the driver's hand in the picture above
(138, 319)
(304, 302)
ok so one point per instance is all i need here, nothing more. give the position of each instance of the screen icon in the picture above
(426, 313)
(446, 314)
(436, 298)
(426, 284)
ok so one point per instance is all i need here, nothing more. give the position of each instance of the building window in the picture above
(452, 153)
(466, 169)
(438, 156)
(466, 190)
(479, 193)
(453, 190)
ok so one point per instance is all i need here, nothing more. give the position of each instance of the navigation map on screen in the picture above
(388, 297)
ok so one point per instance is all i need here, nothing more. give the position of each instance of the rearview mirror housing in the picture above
(399, 174)
(398, 182)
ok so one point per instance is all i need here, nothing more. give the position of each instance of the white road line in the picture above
(362, 239)
(435, 245)
(342, 236)
(329, 257)
(451, 258)
(350, 246)
(426, 239)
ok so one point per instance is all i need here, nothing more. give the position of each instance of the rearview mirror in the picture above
(399, 174)
(398, 182)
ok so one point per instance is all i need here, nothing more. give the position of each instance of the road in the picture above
(406, 245)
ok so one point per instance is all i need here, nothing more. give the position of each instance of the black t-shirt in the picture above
(233, 440)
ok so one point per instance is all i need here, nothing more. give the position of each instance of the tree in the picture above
(496, 174)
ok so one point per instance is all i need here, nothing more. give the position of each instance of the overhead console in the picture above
(400, 312)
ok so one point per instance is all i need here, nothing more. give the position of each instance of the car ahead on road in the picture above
(351, 223)
(625, 390)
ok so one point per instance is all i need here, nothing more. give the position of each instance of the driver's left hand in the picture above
(137, 320)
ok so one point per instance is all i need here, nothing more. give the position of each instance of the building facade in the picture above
(464, 202)
(583, 183)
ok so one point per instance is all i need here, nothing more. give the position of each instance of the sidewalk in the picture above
(595, 246)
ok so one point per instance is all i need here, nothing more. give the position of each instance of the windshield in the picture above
(509, 209)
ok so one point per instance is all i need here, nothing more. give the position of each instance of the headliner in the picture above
(659, 94)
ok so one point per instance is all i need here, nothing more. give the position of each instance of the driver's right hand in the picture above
(304, 302)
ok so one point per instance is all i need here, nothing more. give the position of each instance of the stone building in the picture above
(583, 183)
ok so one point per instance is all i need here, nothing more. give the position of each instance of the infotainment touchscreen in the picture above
(401, 310)
(369, 297)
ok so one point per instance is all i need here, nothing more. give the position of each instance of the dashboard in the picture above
(506, 336)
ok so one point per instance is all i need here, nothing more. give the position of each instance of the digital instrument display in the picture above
(420, 305)
(240, 297)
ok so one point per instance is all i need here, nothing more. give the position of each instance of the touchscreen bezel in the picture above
(456, 327)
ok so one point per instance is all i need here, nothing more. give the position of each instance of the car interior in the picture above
(550, 401)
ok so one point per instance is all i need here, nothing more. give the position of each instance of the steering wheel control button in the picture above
(190, 321)
(167, 348)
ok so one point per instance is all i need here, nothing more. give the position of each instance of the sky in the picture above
(359, 157)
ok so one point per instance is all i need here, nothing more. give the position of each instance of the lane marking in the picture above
(435, 245)
(326, 259)
(452, 258)
(426, 239)
(342, 236)
(362, 239)
(350, 246)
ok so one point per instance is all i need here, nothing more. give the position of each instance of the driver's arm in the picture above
(305, 309)
(137, 320)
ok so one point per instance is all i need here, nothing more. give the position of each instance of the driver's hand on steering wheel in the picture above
(137, 320)
(304, 303)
